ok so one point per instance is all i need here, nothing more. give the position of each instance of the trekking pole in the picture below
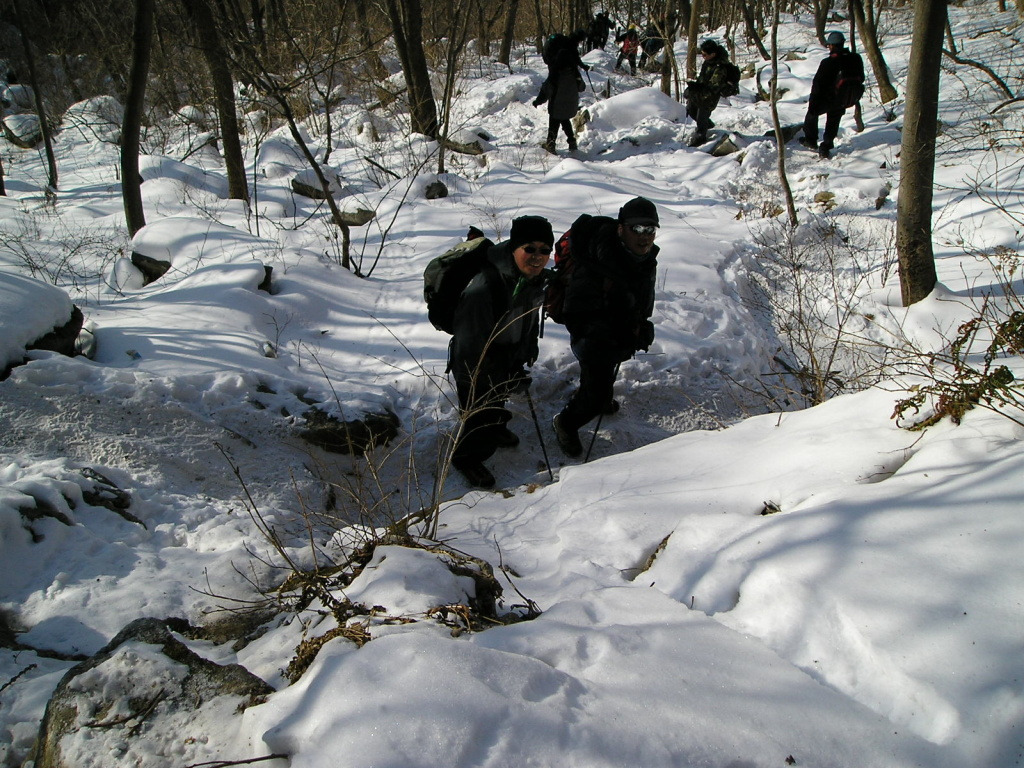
(543, 448)
(595, 89)
(597, 426)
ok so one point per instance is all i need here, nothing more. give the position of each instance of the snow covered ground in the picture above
(817, 587)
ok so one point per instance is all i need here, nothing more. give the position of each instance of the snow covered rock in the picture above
(34, 315)
(23, 130)
(147, 700)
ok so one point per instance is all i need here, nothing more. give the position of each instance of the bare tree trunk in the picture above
(376, 66)
(224, 94)
(131, 182)
(458, 34)
(669, 66)
(917, 153)
(505, 52)
(821, 11)
(869, 36)
(696, 8)
(37, 93)
(780, 140)
(407, 25)
(751, 27)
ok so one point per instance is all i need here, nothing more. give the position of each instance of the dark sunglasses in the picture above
(530, 250)
(643, 229)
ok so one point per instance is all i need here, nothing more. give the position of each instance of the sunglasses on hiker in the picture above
(530, 250)
(643, 229)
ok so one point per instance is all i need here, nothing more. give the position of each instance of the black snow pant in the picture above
(597, 381)
(566, 126)
(828, 138)
(483, 417)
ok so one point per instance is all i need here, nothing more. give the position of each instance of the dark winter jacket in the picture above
(705, 92)
(507, 312)
(823, 87)
(652, 42)
(597, 33)
(563, 88)
(610, 298)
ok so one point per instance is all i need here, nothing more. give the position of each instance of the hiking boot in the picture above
(825, 152)
(568, 439)
(475, 473)
(698, 139)
(612, 407)
(505, 438)
(548, 146)
(805, 142)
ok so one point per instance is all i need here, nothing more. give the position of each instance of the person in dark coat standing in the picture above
(495, 339)
(823, 100)
(650, 44)
(608, 306)
(562, 91)
(598, 31)
(704, 93)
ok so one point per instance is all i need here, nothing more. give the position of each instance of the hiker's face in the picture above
(638, 242)
(531, 258)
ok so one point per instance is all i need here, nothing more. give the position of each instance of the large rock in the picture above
(355, 436)
(23, 130)
(145, 696)
(34, 315)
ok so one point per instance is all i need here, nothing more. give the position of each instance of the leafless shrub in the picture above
(808, 284)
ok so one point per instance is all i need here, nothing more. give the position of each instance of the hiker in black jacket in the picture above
(597, 32)
(494, 339)
(823, 99)
(608, 305)
(702, 95)
(562, 92)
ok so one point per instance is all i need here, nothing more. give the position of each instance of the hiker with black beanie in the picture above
(608, 305)
(495, 338)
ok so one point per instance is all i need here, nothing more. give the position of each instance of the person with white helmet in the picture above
(839, 74)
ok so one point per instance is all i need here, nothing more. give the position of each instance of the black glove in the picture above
(537, 102)
(519, 382)
(645, 335)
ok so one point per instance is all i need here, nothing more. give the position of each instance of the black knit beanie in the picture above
(528, 229)
(639, 210)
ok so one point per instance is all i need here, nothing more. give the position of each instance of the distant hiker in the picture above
(837, 85)
(598, 31)
(562, 91)
(494, 339)
(718, 77)
(651, 43)
(607, 309)
(629, 43)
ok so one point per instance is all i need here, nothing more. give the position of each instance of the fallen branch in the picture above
(984, 68)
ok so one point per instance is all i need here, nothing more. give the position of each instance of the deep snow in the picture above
(873, 618)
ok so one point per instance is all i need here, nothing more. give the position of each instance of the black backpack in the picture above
(569, 249)
(447, 276)
(732, 80)
(849, 89)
